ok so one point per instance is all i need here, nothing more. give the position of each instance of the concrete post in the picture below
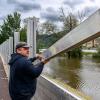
(7, 50)
(10, 46)
(16, 38)
(31, 34)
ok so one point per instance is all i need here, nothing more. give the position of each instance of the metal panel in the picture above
(16, 39)
(86, 31)
(31, 35)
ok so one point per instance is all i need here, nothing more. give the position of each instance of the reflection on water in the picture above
(82, 74)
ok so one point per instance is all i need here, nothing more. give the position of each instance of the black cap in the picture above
(22, 44)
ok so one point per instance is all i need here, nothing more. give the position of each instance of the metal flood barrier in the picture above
(50, 90)
(86, 31)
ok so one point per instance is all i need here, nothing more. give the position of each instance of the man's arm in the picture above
(33, 70)
(38, 56)
(33, 59)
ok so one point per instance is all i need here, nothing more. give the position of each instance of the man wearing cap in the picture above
(23, 74)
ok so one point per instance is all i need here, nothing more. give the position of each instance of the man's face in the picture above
(23, 51)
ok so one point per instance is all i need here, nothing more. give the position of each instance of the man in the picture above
(23, 74)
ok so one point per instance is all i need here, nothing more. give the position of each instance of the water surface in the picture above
(82, 74)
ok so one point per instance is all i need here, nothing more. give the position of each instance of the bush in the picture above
(97, 55)
(77, 52)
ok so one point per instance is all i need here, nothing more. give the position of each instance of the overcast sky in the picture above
(45, 9)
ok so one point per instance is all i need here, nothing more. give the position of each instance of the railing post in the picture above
(10, 46)
(31, 34)
(16, 39)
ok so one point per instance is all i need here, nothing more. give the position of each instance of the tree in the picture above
(81, 15)
(69, 20)
(69, 23)
(11, 24)
(14, 21)
(0, 38)
(48, 27)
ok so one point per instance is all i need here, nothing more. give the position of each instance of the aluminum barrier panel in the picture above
(86, 31)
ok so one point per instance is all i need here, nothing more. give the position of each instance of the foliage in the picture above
(48, 27)
(23, 36)
(45, 40)
(77, 52)
(70, 22)
(97, 55)
(11, 24)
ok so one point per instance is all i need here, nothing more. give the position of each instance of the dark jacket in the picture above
(23, 75)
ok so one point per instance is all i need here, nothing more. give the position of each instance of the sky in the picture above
(46, 9)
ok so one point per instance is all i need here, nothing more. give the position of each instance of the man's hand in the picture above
(44, 61)
(41, 58)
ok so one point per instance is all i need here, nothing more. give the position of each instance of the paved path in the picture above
(4, 94)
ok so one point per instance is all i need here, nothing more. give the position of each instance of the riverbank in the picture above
(89, 51)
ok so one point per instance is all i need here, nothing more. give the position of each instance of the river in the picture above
(82, 74)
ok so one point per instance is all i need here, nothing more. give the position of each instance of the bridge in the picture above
(47, 88)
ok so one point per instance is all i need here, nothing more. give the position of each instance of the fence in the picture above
(7, 48)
